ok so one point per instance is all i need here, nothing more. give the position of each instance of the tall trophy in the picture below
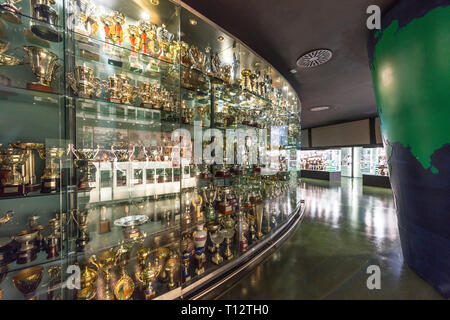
(29, 168)
(27, 281)
(246, 81)
(105, 262)
(43, 65)
(209, 195)
(114, 87)
(129, 92)
(172, 266)
(200, 236)
(84, 159)
(47, 20)
(146, 278)
(242, 228)
(228, 234)
(51, 179)
(124, 287)
(83, 82)
(83, 230)
(197, 202)
(86, 26)
(11, 180)
(164, 40)
(113, 34)
(217, 238)
(54, 274)
(197, 58)
(10, 13)
(187, 249)
(134, 36)
(88, 279)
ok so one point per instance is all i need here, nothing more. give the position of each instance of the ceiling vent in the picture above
(314, 58)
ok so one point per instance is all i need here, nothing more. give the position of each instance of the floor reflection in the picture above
(346, 228)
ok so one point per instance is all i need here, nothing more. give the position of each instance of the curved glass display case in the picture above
(143, 149)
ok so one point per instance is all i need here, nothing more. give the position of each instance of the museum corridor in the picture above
(346, 228)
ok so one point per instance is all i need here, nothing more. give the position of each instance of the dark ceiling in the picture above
(282, 30)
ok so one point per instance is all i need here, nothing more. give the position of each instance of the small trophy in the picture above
(129, 92)
(88, 278)
(210, 194)
(83, 82)
(187, 249)
(29, 174)
(105, 262)
(136, 43)
(197, 202)
(124, 287)
(246, 80)
(11, 181)
(47, 19)
(43, 65)
(114, 87)
(6, 59)
(86, 26)
(172, 266)
(28, 250)
(228, 234)
(217, 238)
(242, 228)
(83, 230)
(164, 40)
(113, 34)
(10, 13)
(51, 179)
(146, 278)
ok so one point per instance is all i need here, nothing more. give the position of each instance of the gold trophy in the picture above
(125, 286)
(10, 13)
(11, 181)
(113, 34)
(246, 82)
(86, 26)
(228, 234)
(209, 196)
(114, 87)
(54, 274)
(43, 65)
(197, 202)
(29, 168)
(88, 278)
(172, 266)
(184, 54)
(83, 230)
(47, 19)
(129, 92)
(161, 256)
(164, 40)
(27, 281)
(149, 44)
(146, 278)
(51, 179)
(104, 263)
(146, 94)
(5, 59)
(136, 43)
(197, 58)
(217, 238)
(84, 159)
(84, 83)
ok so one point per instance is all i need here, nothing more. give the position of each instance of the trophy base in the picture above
(199, 271)
(50, 185)
(87, 293)
(243, 246)
(10, 14)
(115, 100)
(88, 49)
(217, 259)
(32, 187)
(52, 252)
(12, 191)
(165, 58)
(39, 87)
(45, 31)
(28, 256)
(225, 209)
(115, 62)
(147, 105)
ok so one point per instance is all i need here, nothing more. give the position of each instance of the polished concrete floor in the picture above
(346, 228)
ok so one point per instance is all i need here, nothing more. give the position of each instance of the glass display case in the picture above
(374, 162)
(142, 149)
(321, 160)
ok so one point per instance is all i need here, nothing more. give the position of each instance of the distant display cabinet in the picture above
(321, 164)
(140, 146)
(374, 167)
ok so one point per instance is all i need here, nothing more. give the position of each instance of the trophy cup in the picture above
(129, 91)
(10, 13)
(5, 59)
(11, 181)
(228, 234)
(114, 86)
(197, 58)
(161, 256)
(104, 262)
(51, 179)
(114, 33)
(200, 236)
(27, 281)
(88, 278)
(34, 226)
(136, 43)
(84, 159)
(146, 94)
(187, 249)
(251, 228)
(3, 272)
(172, 266)
(142, 253)
(209, 196)
(47, 19)
(83, 230)
(43, 65)
(29, 168)
(86, 26)
(148, 37)
(8, 250)
(130, 225)
(53, 241)
(246, 80)
(54, 274)
(164, 40)
(242, 228)
(186, 218)
(225, 207)
(124, 287)
(217, 238)
(84, 83)
(197, 202)
(146, 278)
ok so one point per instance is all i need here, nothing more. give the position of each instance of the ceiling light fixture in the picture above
(193, 22)
(220, 38)
(314, 58)
(293, 71)
(319, 108)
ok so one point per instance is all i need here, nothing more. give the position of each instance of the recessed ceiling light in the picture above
(314, 58)
(293, 71)
(193, 22)
(154, 2)
(220, 38)
(319, 108)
